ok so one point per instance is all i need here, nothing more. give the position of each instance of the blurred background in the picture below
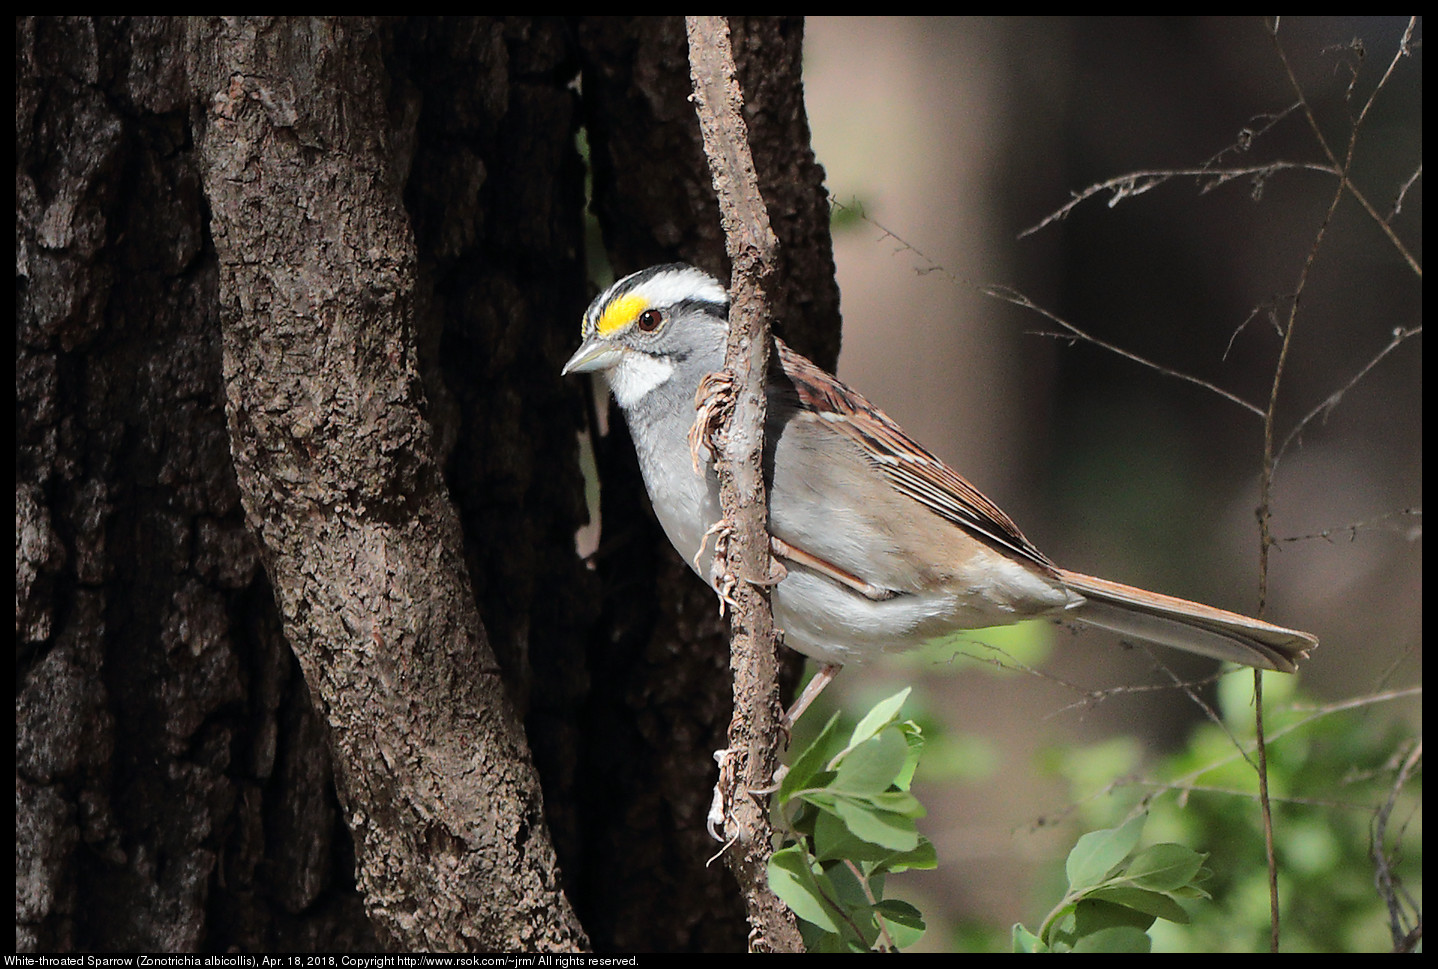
(943, 140)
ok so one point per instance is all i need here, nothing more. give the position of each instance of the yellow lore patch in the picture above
(620, 313)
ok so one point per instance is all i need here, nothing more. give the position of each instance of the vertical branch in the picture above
(754, 731)
(1265, 486)
(1265, 810)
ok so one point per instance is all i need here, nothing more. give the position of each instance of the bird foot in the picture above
(713, 403)
(723, 791)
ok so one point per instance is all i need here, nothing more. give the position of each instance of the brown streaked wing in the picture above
(910, 467)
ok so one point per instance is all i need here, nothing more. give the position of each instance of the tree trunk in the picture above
(173, 790)
(365, 242)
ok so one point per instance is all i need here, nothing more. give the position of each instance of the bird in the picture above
(884, 546)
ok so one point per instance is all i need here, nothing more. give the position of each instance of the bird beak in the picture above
(594, 354)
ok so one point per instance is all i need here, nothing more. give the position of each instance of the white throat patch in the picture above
(636, 375)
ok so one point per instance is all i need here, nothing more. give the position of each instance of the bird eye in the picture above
(650, 320)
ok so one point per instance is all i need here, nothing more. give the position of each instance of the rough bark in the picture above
(338, 479)
(172, 787)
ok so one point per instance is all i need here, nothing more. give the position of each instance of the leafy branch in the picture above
(848, 819)
(1115, 895)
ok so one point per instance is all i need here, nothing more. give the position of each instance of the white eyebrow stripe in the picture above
(672, 286)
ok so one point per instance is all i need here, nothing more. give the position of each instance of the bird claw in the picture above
(719, 804)
(713, 403)
(725, 582)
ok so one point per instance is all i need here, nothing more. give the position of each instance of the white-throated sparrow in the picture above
(886, 547)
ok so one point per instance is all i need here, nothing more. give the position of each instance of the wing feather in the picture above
(911, 468)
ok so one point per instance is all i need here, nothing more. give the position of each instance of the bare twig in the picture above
(1217, 721)
(1019, 299)
(754, 733)
(1400, 335)
(1344, 169)
(1249, 134)
(1266, 308)
(904, 245)
(1265, 810)
(1313, 714)
(1353, 528)
(1383, 868)
(1134, 184)
(1137, 183)
(1408, 183)
(1088, 697)
(1265, 542)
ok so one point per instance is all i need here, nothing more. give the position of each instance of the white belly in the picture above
(833, 624)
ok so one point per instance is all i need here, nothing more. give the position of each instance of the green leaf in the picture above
(1098, 853)
(901, 912)
(1026, 941)
(871, 767)
(1142, 900)
(1165, 867)
(833, 840)
(854, 820)
(810, 763)
(886, 828)
(1189, 891)
(1121, 939)
(846, 888)
(793, 881)
(817, 940)
(921, 857)
(914, 742)
(904, 923)
(1058, 931)
(821, 799)
(1093, 914)
(899, 802)
(879, 717)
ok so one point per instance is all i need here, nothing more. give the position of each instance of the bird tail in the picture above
(1185, 625)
